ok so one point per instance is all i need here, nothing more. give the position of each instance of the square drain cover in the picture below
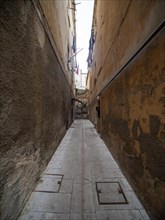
(110, 193)
(49, 183)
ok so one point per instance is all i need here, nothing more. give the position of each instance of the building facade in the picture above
(36, 72)
(127, 92)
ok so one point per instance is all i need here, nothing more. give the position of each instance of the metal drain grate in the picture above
(49, 183)
(110, 193)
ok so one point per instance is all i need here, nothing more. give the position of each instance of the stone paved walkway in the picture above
(83, 181)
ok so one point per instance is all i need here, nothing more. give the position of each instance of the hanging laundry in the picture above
(74, 44)
(92, 40)
(91, 44)
(89, 59)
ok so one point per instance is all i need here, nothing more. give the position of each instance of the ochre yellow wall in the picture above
(132, 106)
(121, 28)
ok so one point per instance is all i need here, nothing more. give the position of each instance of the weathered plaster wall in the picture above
(121, 28)
(35, 103)
(133, 123)
(132, 107)
(61, 22)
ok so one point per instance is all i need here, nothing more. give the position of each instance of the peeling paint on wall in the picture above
(132, 120)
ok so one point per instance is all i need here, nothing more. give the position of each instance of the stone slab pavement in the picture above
(83, 182)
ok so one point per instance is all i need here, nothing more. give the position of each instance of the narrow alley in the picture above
(82, 109)
(83, 182)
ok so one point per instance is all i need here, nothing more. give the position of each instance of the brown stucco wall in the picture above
(121, 28)
(61, 22)
(132, 121)
(35, 103)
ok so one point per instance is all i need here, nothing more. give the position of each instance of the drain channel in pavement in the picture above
(110, 193)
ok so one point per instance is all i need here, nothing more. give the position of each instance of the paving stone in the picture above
(107, 187)
(106, 165)
(119, 215)
(55, 164)
(144, 214)
(66, 186)
(95, 156)
(49, 183)
(82, 216)
(82, 198)
(122, 180)
(82, 164)
(110, 193)
(51, 170)
(104, 172)
(48, 202)
(68, 172)
(133, 203)
(43, 216)
(111, 198)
